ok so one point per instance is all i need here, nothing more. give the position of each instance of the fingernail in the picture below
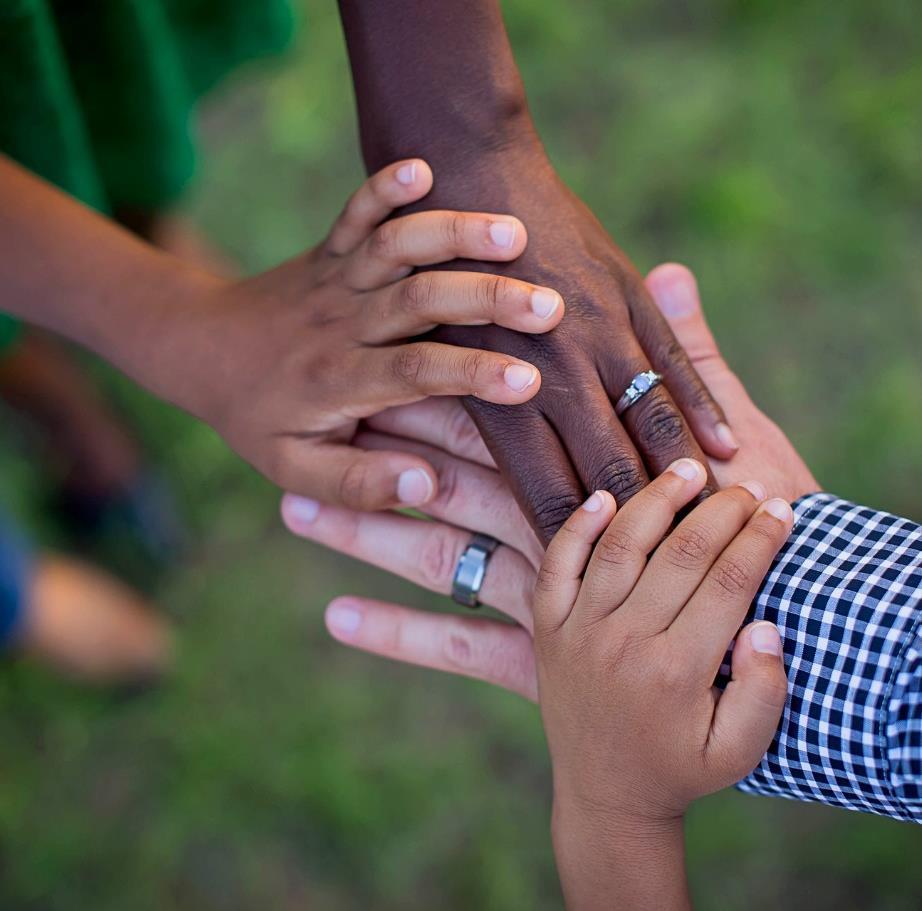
(755, 488)
(406, 174)
(414, 487)
(518, 377)
(780, 509)
(544, 303)
(765, 638)
(502, 233)
(343, 619)
(302, 509)
(676, 299)
(688, 469)
(725, 435)
(594, 503)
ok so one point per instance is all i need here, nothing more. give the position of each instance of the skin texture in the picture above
(439, 80)
(473, 496)
(629, 636)
(284, 365)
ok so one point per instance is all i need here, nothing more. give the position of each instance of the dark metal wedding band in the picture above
(640, 386)
(471, 569)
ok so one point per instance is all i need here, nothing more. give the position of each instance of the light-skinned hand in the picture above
(473, 497)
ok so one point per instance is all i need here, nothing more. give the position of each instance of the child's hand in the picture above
(629, 636)
(285, 365)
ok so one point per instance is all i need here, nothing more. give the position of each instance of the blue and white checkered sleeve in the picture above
(846, 593)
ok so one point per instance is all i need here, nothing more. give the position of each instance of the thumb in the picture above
(675, 292)
(360, 480)
(748, 712)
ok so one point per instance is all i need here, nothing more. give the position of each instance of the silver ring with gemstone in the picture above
(471, 570)
(640, 386)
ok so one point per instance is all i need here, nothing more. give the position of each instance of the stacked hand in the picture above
(613, 333)
(473, 497)
(629, 636)
(293, 359)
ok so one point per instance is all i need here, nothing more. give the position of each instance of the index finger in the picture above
(390, 188)
(558, 582)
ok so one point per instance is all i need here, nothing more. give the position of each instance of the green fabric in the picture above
(97, 95)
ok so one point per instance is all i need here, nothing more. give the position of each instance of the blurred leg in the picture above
(86, 624)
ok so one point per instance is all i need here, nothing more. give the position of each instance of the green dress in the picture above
(97, 96)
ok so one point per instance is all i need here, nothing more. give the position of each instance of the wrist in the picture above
(615, 859)
(159, 334)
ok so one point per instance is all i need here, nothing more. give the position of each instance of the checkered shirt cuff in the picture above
(845, 593)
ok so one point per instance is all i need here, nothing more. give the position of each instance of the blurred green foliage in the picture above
(772, 146)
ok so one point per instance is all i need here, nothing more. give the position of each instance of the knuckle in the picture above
(408, 365)
(689, 548)
(623, 476)
(417, 292)
(548, 579)
(438, 559)
(472, 367)
(353, 484)
(493, 290)
(766, 532)
(383, 242)
(459, 650)
(550, 512)
(659, 424)
(453, 230)
(731, 576)
(670, 677)
(482, 658)
(626, 648)
(617, 549)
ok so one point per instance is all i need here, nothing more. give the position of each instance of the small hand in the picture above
(295, 358)
(632, 623)
(473, 496)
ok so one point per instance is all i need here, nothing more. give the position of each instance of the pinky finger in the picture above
(390, 188)
(487, 650)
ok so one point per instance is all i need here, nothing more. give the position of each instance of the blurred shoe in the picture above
(85, 624)
(135, 530)
(114, 509)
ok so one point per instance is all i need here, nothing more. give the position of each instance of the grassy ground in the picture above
(774, 147)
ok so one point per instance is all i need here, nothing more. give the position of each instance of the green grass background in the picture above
(772, 146)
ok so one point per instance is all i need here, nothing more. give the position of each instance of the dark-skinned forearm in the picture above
(439, 81)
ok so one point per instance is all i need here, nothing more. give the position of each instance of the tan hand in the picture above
(630, 634)
(632, 623)
(297, 356)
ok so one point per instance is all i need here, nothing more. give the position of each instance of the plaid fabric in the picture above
(846, 593)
